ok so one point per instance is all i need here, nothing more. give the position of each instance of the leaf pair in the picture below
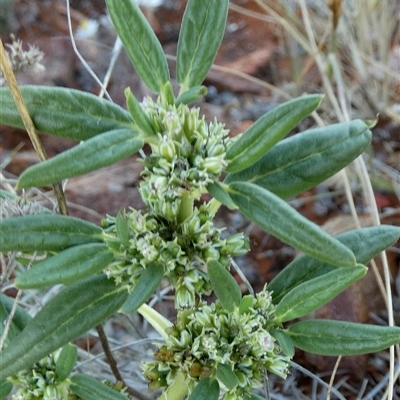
(288, 168)
(203, 22)
(307, 284)
(107, 131)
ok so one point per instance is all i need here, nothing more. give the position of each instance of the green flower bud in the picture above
(236, 245)
(167, 148)
(169, 210)
(214, 165)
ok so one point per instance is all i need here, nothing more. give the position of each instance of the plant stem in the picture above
(108, 353)
(27, 120)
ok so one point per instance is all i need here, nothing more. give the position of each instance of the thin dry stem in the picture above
(27, 120)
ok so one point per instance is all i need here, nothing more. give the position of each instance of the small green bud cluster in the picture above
(208, 336)
(184, 249)
(188, 156)
(41, 381)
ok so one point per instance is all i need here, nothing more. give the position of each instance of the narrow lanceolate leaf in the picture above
(95, 153)
(268, 130)
(75, 310)
(365, 243)
(122, 225)
(336, 338)
(31, 233)
(89, 388)
(193, 94)
(66, 361)
(64, 112)
(226, 375)
(140, 42)
(69, 266)
(314, 293)
(206, 389)
(225, 287)
(285, 342)
(281, 220)
(137, 113)
(219, 192)
(146, 285)
(304, 160)
(203, 27)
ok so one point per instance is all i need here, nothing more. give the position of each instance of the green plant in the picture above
(220, 349)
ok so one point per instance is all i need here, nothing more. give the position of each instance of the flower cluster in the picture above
(208, 336)
(41, 381)
(187, 157)
(184, 249)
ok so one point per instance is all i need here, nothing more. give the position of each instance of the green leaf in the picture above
(224, 285)
(146, 285)
(140, 42)
(281, 220)
(193, 94)
(226, 375)
(122, 226)
(21, 317)
(314, 293)
(66, 361)
(285, 342)
(268, 130)
(304, 160)
(31, 233)
(94, 153)
(336, 338)
(218, 191)
(69, 266)
(245, 304)
(203, 27)
(206, 389)
(64, 112)
(365, 243)
(89, 388)
(75, 310)
(139, 116)
(5, 389)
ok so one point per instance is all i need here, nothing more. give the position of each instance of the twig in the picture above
(27, 120)
(78, 54)
(115, 54)
(332, 378)
(108, 353)
(9, 319)
(317, 378)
